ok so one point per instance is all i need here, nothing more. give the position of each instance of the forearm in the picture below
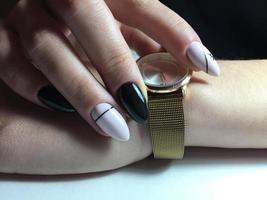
(231, 110)
(227, 111)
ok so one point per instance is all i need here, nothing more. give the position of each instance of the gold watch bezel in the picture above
(172, 88)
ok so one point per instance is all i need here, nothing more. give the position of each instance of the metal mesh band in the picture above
(166, 124)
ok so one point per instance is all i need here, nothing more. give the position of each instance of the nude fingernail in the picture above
(202, 58)
(110, 121)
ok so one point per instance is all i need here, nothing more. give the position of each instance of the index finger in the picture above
(168, 29)
(94, 26)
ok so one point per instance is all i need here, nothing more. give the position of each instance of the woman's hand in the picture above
(36, 53)
(229, 111)
(34, 140)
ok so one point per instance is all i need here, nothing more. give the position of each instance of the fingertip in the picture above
(133, 101)
(202, 58)
(51, 97)
(110, 121)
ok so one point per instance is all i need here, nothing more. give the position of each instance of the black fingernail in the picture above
(49, 96)
(133, 101)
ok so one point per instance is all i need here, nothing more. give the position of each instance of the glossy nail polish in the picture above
(133, 101)
(201, 57)
(50, 97)
(110, 121)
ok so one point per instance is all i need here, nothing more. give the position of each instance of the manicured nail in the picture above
(143, 89)
(50, 97)
(133, 101)
(110, 121)
(201, 57)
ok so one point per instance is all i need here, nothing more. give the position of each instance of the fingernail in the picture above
(201, 57)
(133, 101)
(50, 97)
(143, 89)
(110, 121)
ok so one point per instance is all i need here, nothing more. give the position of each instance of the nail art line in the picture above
(201, 57)
(110, 121)
(103, 113)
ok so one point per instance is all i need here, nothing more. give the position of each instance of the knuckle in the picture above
(78, 88)
(37, 44)
(37, 39)
(30, 22)
(179, 24)
(39, 36)
(116, 62)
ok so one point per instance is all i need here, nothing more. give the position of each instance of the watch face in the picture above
(161, 73)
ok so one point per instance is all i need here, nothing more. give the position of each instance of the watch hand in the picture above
(164, 77)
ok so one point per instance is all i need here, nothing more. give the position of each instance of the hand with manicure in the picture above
(40, 63)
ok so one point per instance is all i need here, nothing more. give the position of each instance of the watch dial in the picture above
(162, 73)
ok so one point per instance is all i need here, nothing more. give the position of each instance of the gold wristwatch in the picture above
(166, 85)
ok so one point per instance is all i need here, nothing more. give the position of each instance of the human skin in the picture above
(228, 112)
(35, 52)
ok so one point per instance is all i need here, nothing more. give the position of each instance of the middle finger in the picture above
(52, 54)
(168, 29)
(95, 28)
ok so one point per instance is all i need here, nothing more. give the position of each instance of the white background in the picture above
(205, 173)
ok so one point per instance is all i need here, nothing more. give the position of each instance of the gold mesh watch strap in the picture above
(166, 124)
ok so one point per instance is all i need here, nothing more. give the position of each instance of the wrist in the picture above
(206, 109)
(228, 111)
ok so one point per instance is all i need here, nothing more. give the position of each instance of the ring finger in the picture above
(52, 54)
(95, 28)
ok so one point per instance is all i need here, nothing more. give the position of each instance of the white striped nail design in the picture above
(201, 57)
(110, 121)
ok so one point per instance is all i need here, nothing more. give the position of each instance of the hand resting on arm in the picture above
(229, 111)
